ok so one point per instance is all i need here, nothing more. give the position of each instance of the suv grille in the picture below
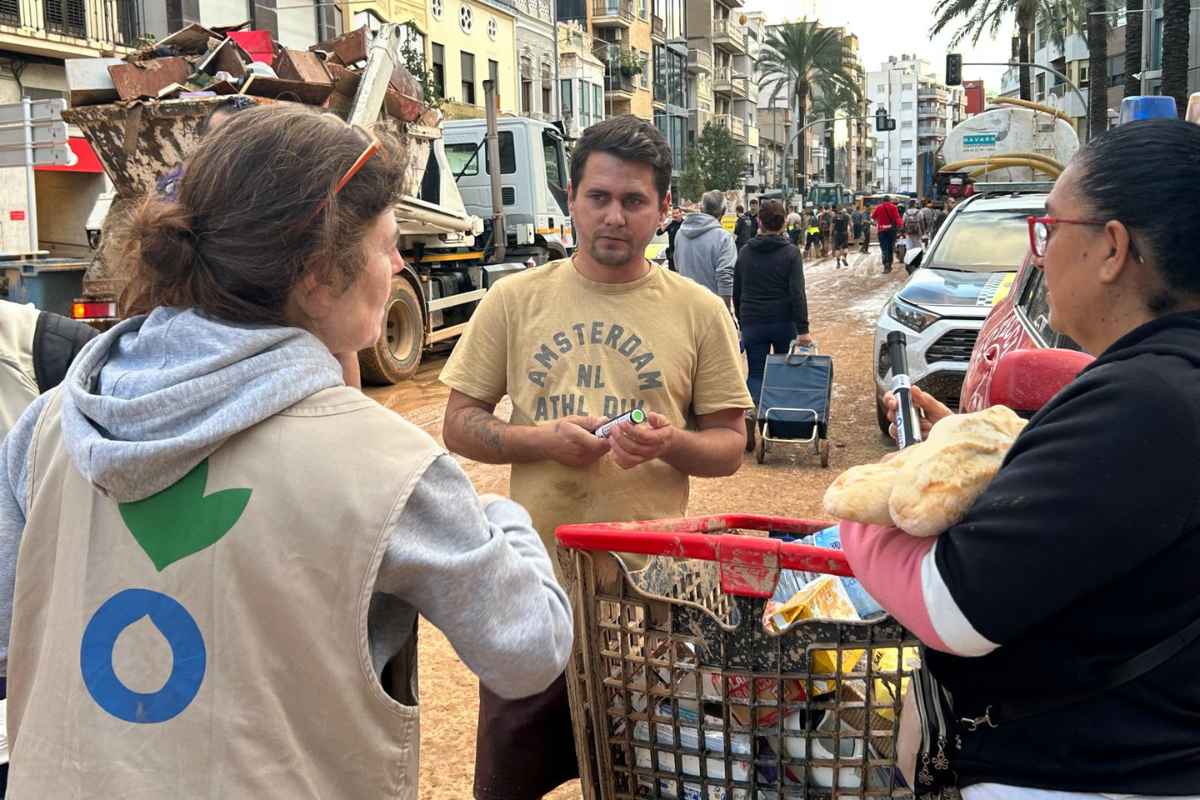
(953, 346)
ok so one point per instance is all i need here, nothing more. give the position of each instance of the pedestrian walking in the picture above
(747, 225)
(840, 225)
(856, 221)
(796, 227)
(887, 222)
(704, 250)
(812, 234)
(572, 342)
(672, 229)
(929, 221)
(1052, 528)
(204, 468)
(825, 226)
(768, 294)
(913, 233)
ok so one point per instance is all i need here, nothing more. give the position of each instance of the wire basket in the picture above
(678, 692)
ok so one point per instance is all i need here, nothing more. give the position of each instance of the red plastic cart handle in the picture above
(749, 564)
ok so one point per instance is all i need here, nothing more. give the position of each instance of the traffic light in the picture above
(953, 69)
(882, 121)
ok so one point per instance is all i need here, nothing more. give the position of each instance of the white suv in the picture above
(970, 266)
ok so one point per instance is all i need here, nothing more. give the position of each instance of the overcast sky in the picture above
(891, 28)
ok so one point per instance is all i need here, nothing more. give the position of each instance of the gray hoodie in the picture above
(705, 252)
(151, 398)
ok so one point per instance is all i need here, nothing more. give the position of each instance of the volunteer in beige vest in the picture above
(571, 343)
(220, 547)
(18, 384)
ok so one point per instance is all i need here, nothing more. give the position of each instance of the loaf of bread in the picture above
(929, 487)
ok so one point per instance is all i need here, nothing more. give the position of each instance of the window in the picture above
(644, 9)
(566, 97)
(906, 180)
(906, 106)
(907, 87)
(983, 241)
(597, 102)
(881, 88)
(458, 156)
(526, 96)
(906, 162)
(1034, 306)
(465, 19)
(508, 155)
(494, 74)
(585, 102)
(468, 77)
(556, 176)
(1083, 75)
(439, 68)
(547, 98)
(1041, 87)
(906, 124)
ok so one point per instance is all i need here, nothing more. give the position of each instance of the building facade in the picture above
(717, 29)
(924, 110)
(537, 60)
(621, 35)
(471, 41)
(581, 79)
(670, 76)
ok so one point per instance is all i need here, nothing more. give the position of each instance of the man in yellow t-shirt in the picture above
(575, 342)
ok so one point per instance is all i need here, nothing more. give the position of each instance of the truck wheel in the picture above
(397, 354)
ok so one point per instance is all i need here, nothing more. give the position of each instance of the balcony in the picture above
(931, 110)
(735, 125)
(70, 28)
(930, 93)
(612, 13)
(926, 131)
(699, 61)
(658, 29)
(618, 86)
(729, 36)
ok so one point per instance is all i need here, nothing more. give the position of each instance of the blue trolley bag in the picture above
(796, 393)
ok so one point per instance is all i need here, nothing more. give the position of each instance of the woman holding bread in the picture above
(1069, 586)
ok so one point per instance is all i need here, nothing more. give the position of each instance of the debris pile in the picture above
(198, 62)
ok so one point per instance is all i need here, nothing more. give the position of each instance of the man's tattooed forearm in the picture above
(483, 427)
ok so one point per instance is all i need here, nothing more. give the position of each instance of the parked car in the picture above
(969, 267)
(656, 251)
(1021, 321)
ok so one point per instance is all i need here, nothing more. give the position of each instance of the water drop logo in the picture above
(169, 526)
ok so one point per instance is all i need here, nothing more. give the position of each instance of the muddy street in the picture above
(843, 304)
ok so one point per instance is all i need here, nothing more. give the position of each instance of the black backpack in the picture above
(56, 342)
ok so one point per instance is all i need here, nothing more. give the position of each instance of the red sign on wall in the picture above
(16, 216)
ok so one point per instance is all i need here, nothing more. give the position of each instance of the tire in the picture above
(825, 453)
(760, 449)
(397, 354)
(881, 418)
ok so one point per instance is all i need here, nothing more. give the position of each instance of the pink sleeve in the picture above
(887, 562)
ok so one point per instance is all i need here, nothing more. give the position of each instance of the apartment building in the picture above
(924, 110)
(536, 58)
(622, 35)
(669, 71)
(716, 30)
(581, 79)
(471, 41)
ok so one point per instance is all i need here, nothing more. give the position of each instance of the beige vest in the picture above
(153, 657)
(18, 385)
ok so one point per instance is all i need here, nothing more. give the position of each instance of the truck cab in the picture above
(533, 173)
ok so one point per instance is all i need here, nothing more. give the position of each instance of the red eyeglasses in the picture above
(355, 168)
(1039, 230)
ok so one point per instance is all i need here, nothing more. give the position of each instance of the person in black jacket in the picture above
(747, 225)
(670, 229)
(1062, 612)
(768, 297)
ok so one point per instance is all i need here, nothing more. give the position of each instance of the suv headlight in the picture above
(911, 316)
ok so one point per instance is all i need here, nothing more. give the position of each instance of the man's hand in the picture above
(571, 441)
(929, 409)
(805, 340)
(636, 444)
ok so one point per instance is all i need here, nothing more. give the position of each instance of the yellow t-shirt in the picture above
(560, 345)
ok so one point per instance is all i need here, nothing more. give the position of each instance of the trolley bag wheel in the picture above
(397, 353)
(825, 453)
(760, 447)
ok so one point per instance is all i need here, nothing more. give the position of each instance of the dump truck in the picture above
(451, 257)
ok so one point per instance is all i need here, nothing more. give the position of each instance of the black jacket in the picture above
(768, 283)
(1083, 553)
(671, 229)
(745, 229)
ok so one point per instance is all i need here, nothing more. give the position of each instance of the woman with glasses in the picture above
(1062, 614)
(220, 549)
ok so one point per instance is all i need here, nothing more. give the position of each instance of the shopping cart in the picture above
(677, 691)
(797, 391)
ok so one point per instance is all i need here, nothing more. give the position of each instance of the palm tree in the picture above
(1176, 41)
(1133, 47)
(830, 100)
(1097, 39)
(799, 55)
(975, 17)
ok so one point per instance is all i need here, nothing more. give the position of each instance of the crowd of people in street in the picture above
(210, 465)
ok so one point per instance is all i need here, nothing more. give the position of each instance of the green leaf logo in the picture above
(180, 520)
